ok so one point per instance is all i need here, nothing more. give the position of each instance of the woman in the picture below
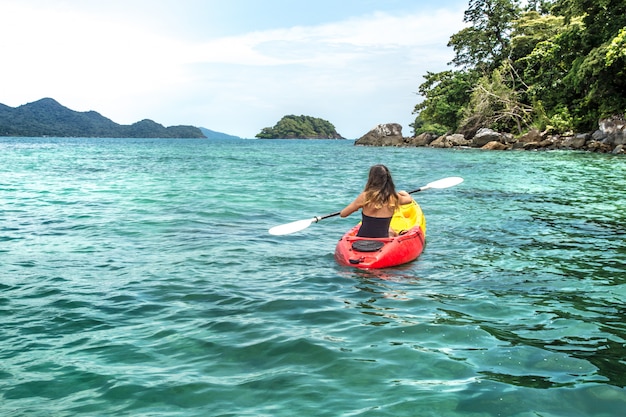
(378, 201)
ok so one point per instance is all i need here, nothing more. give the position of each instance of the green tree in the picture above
(603, 19)
(446, 93)
(539, 6)
(558, 64)
(540, 45)
(617, 49)
(531, 29)
(485, 43)
(596, 74)
(300, 127)
(479, 49)
(496, 104)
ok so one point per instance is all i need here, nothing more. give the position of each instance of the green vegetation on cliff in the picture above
(300, 127)
(556, 65)
(47, 117)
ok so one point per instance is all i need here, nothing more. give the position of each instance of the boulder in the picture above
(495, 146)
(450, 141)
(575, 142)
(532, 135)
(388, 134)
(614, 128)
(508, 138)
(550, 142)
(528, 146)
(485, 136)
(601, 147)
(598, 135)
(423, 139)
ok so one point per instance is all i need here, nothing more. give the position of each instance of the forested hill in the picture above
(553, 65)
(46, 117)
(300, 127)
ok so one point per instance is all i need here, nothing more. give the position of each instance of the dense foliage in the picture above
(300, 127)
(558, 65)
(47, 117)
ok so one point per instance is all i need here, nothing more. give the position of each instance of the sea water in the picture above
(138, 279)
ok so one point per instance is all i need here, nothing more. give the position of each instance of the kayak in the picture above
(371, 253)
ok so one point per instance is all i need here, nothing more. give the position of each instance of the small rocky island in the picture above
(610, 137)
(300, 127)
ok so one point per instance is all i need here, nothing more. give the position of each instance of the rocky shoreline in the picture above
(610, 137)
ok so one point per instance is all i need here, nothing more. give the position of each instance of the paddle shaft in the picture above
(337, 213)
(296, 226)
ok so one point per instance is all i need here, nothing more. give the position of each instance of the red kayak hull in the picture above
(394, 251)
(373, 253)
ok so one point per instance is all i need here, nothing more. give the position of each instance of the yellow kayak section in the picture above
(408, 216)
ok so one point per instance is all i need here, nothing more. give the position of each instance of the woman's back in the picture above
(378, 201)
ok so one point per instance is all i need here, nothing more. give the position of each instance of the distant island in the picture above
(212, 134)
(300, 127)
(46, 117)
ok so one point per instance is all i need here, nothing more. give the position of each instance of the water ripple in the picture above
(138, 279)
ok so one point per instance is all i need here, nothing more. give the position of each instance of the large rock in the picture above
(495, 146)
(531, 140)
(532, 135)
(614, 128)
(485, 135)
(600, 147)
(388, 134)
(423, 139)
(575, 142)
(450, 141)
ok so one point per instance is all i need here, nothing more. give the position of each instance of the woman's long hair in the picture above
(379, 189)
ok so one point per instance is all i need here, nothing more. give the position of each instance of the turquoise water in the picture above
(138, 279)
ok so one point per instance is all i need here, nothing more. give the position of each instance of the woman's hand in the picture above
(404, 198)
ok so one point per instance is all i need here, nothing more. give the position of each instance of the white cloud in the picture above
(369, 67)
(340, 42)
(354, 73)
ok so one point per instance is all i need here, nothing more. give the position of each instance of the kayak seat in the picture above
(367, 245)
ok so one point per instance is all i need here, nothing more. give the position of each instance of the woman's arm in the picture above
(352, 207)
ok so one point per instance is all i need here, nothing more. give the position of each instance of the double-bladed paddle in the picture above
(293, 227)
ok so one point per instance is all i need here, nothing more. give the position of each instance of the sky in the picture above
(233, 66)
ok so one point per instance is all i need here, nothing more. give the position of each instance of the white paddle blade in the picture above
(293, 227)
(445, 182)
